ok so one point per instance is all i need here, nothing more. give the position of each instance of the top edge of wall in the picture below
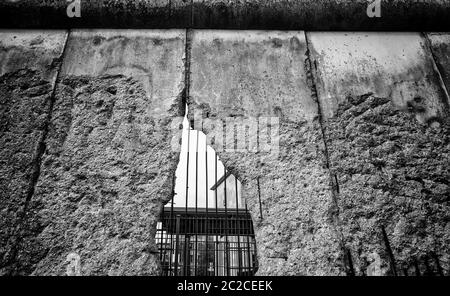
(313, 15)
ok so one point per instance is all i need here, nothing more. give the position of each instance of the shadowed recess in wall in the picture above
(206, 229)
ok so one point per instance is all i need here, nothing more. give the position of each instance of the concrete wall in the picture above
(106, 169)
(360, 182)
(262, 74)
(356, 182)
(29, 65)
(385, 119)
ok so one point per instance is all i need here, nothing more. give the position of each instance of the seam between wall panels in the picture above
(310, 65)
(436, 69)
(40, 150)
(184, 98)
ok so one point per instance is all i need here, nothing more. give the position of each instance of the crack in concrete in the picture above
(37, 159)
(436, 69)
(184, 97)
(389, 251)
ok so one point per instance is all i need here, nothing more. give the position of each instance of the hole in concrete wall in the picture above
(206, 229)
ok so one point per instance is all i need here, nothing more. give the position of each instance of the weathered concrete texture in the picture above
(244, 75)
(319, 15)
(440, 47)
(155, 14)
(425, 15)
(108, 166)
(28, 68)
(391, 65)
(386, 123)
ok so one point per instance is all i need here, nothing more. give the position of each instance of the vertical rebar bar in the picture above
(227, 261)
(207, 205)
(177, 244)
(259, 198)
(187, 186)
(238, 225)
(231, 231)
(249, 250)
(196, 206)
(215, 196)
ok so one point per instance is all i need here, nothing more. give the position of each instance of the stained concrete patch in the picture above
(377, 193)
(22, 49)
(108, 166)
(28, 68)
(251, 75)
(392, 172)
(398, 66)
(386, 127)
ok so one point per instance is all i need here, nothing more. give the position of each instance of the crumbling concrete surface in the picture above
(386, 124)
(403, 15)
(108, 166)
(345, 172)
(262, 76)
(28, 68)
